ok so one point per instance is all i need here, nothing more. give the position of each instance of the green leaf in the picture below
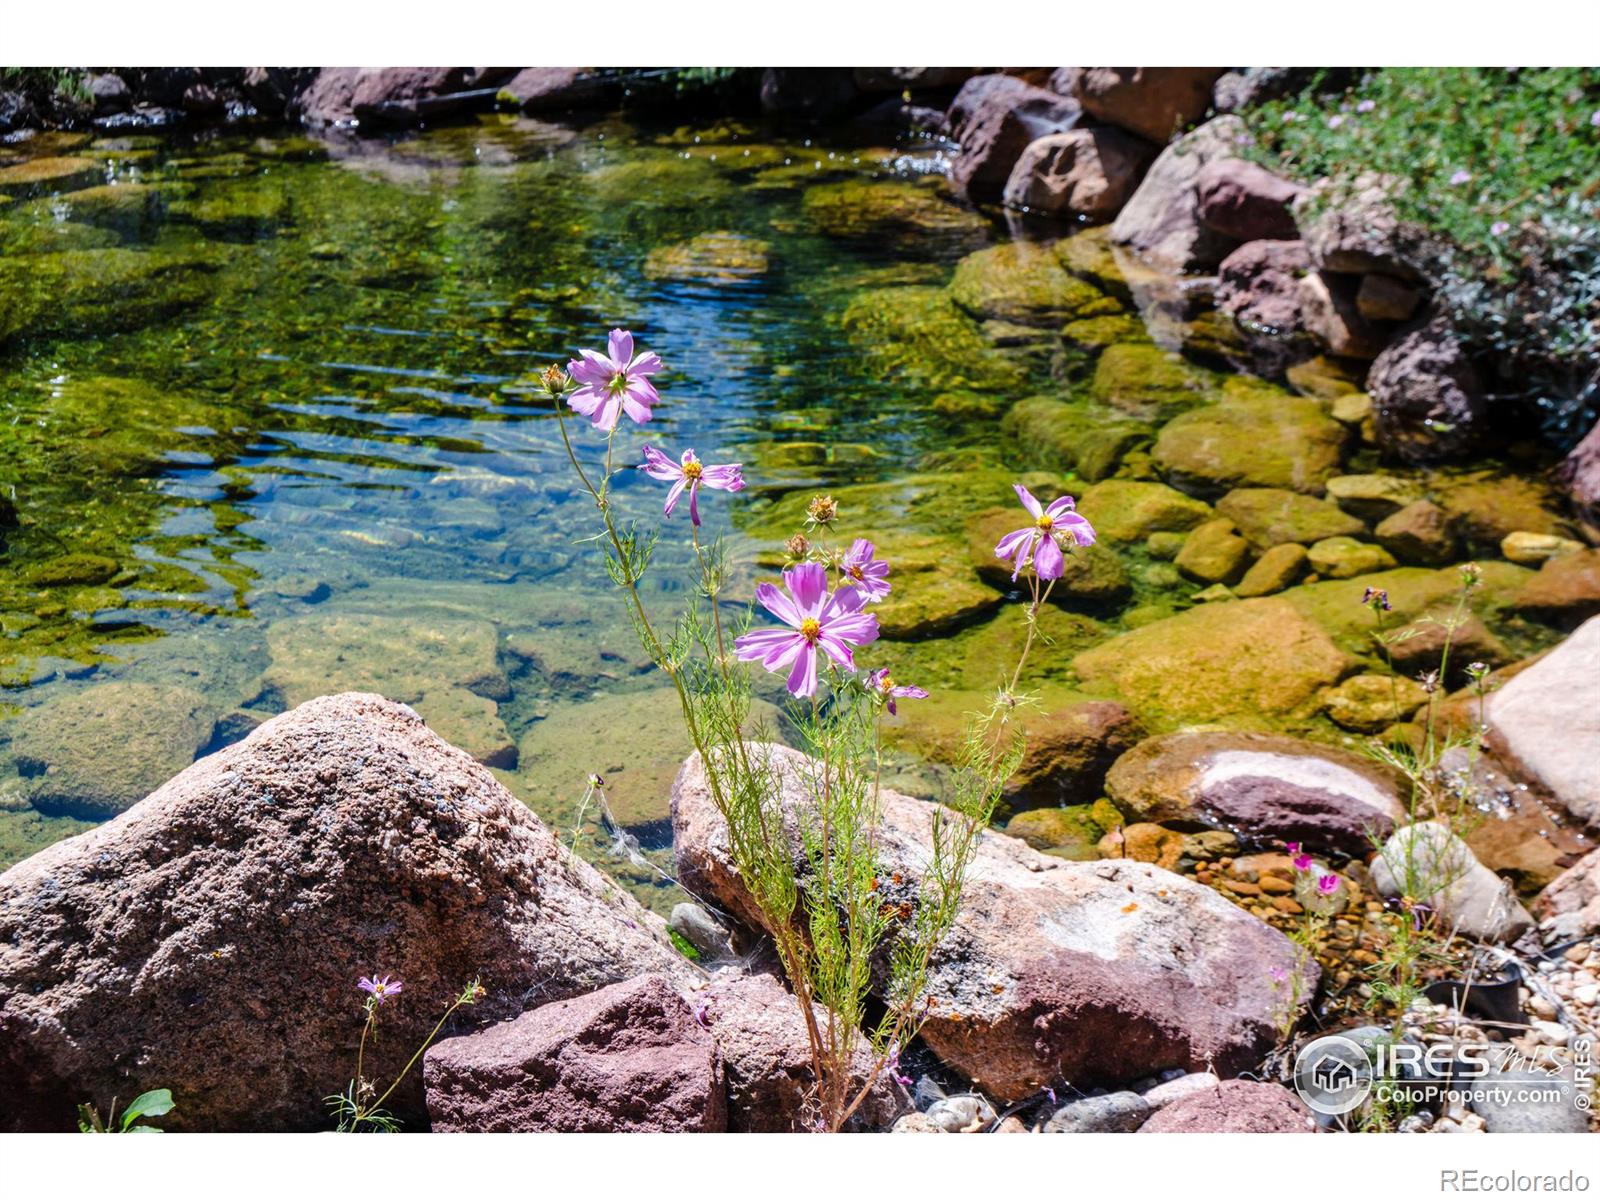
(152, 1104)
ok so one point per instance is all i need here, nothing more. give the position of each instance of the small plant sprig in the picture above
(843, 925)
(359, 1108)
(156, 1103)
(1319, 895)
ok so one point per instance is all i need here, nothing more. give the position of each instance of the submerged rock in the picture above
(919, 332)
(1421, 533)
(83, 292)
(1213, 553)
(1345, 558)
(1024, 991)
(1055, 435)
(42, 176)
(97, 752)
(238, 905)
(1274, 516)
(1486, 507)
(1070, 832)
(1147, 381)
(1241, 661)
(1127, 510)
(1278, 567)
(1252, 440)
(890, 210)
(1024, 283)
(629, 1058)
(1260, 785)
(720, 257)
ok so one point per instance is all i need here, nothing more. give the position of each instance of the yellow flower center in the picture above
(886, 683)
(855, 573)
(810, 629)
(692, 469)
(1046, 522)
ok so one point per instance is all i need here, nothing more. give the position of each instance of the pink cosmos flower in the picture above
(868, 575)
(690, 473)
(1050, 524)
(381, 989)
(1291, 847)
(815, 619)
(883, 683)
(1327, 884)
(1302, 862)
(614, 383)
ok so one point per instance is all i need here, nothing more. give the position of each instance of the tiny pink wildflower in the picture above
(381, 988)
(690, 473)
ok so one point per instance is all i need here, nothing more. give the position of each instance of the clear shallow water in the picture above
(269, 421)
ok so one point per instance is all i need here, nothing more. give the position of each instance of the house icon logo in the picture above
(1332, 1075)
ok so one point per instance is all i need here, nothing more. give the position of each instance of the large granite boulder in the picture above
(994, 118)
(1545, 722)
(1161, 223)
(1259, 785)
(1153, 102)
(1258, 285)
(1427, 398)
(209, 940)
(629, 1058)
(1089, 972)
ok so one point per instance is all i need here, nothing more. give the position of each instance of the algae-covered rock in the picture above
(1251, 440)
(1534, 549)
(1345, 558)
(94, 753)
(1149, 382)
(1327, 378)
(1097, 333)
(131, 208)
(1485, 506)
(1278, 567)
(83, 292)
(1240, 662)
(1024, 283)
(396, 656)
(1128, 510)
(1371, 703)
(1057, 436)
(41, 176)
(73, 569)
(919, 332)
(1373, 497)
(718, 257)
(666, 182)
(1420, 533)
(238, 208)
(1275, 516)
(1070, 832)
(469, 722)
(890, 210)
(1213, 553)
(933, 589)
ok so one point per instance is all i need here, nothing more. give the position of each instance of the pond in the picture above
(272, 430)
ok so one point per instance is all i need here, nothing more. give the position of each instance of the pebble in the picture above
(958, 1114)
(1578, 953)
(1116, 1112)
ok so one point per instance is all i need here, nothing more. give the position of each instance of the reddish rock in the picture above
(900, 79)
(1579, 474)
(1258, 785)
(767, 1059)
(1070, 749)
(1328, 311)
(1246, 201)
(1153, 102)
(1570, 907)
(394, 95)
(1084, 172)
(209, 939)
(328, 99)
(1566, 589)
(994, 118)
(1258, 285)
(1355, 230)
(1233, 1106)
(1161, 222)
(1097, 972)
(629, 1058)
(558, 89)
(1427, 397)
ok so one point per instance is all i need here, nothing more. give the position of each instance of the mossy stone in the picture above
(1164, 546)
(1073, 832)
(1420, 533)
(919, 332)
(1023, 283)
(1057, 436)
(1244, 663)
(398, 657)
(1126, 510)
(73, 570)
(469, 722)
(1326, 378)
(1213, 553)
(1146, 381)
(1144, 842)
(1097, 333)
(1278, 567)
(1373, 497)
(1275, 516)
(41, 176)
(1274, 441)
(890, 210)
(1092, 575)
(719, 257)
(82, 292)
(1371, 703)
(1345, 558)
(666, 182)
(1484, 506)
